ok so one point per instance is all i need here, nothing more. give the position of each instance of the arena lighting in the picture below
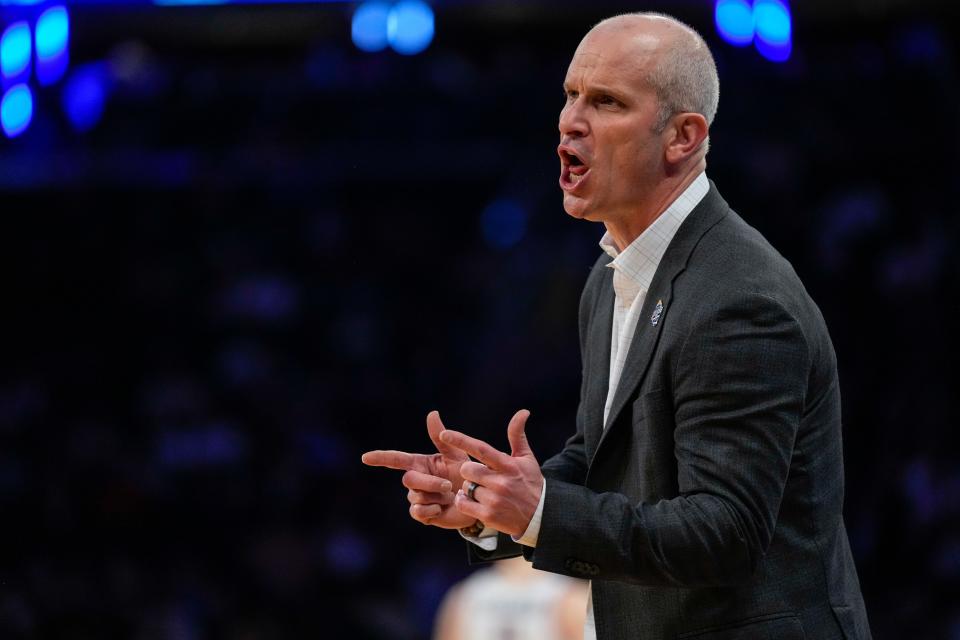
(184, 3)
(52, 32)
(734, 19)
(369, 26)
(85, 95)
(773, 28)
(16, 110)
(15, 50)
(410, 27)
(52, 37)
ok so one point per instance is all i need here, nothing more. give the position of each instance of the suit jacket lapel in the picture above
(704, 216)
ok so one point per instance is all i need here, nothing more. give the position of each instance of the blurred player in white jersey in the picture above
(513, 601)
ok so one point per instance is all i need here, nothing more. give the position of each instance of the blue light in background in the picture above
(774, 29)
(15, 50)
(51, 70)
(921, 44)
(348, 553)
(775, 53)
(772, 21)
(205, 446)
(85, 96)
(21, 3)
(52, 37)
(369, 26)
(181, 3)
(410, 27)
(52, 32)
(16, 110)
(504, 223)
(734, 20)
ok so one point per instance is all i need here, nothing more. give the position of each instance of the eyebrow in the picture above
(603, 89)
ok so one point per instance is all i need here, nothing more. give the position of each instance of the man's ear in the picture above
(686, 132)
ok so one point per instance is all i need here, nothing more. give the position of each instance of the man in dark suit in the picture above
(702, 492)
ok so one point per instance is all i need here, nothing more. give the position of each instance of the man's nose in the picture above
(572, 121)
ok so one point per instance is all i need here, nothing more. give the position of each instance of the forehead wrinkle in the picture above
(616, 74)
(583, 67)
(584, 60)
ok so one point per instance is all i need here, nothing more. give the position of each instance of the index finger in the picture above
(390, 459)
(476, 448)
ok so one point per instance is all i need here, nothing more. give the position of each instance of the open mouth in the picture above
(573, 169)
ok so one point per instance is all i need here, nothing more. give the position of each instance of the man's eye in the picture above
(570, 95)
(607, 100)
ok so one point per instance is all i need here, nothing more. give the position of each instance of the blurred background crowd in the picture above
(241, 244)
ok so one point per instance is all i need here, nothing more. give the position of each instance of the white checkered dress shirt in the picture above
(633, 271)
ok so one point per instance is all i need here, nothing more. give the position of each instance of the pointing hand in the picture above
(431, 479)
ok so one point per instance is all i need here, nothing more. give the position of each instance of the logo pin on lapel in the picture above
(657, 311)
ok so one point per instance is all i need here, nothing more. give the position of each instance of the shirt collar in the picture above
(639, 261)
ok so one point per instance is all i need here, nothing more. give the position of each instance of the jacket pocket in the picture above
(777, 626)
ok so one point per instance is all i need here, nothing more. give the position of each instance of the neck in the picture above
(628, 228)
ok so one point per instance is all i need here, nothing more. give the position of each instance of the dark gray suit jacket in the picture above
(711, 506)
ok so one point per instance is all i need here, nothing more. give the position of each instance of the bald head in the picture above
(675, 61)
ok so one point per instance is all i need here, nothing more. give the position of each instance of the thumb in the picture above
(434, 429)
(517, 436)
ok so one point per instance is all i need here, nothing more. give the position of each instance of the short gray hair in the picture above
(685, 77)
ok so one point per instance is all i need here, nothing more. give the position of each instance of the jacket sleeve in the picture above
(738, 390)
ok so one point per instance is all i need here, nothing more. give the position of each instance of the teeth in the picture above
(575, 178)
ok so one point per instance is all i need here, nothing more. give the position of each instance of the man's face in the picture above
(609, 154)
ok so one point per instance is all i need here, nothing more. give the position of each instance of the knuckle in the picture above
(498, 485)
(423, 514)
